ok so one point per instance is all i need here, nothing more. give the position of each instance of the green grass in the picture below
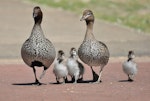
(131, 13)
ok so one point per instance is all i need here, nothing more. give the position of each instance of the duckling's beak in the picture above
(132, 56)
(35, 15)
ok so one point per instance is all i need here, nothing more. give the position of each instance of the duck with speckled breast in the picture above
(93, 52)
(37, 50)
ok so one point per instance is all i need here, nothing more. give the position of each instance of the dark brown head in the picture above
(37, 14)
(131, 55)
(87, 16)
(73, 52)
(61, 56)
(60, 52)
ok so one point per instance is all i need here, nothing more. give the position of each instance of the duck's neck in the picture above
(37, 25)
(130, 59)
(38, 20)
(59, 60)
(73, 56)
(89, 30)
(37, 31)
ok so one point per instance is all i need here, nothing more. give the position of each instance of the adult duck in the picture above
(92, 52)
(37, 50)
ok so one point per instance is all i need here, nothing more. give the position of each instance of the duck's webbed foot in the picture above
(37, 83)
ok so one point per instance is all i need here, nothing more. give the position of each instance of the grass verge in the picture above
(131, 13)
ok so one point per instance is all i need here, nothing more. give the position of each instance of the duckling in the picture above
(60, 69)
(37, 50)
(129, 66)
(75, 68)
(92, 52)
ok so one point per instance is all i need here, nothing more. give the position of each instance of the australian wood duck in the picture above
(37, 50)
(75, 68)
(129, 66)
(92, 51)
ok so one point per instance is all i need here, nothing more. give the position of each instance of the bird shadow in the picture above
(71, 82)
(87, 81)
(124, 81)
(28, 84)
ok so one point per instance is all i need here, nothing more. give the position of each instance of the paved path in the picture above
(16, 85)
(64, 29)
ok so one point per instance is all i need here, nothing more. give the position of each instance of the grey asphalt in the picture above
(64, 29)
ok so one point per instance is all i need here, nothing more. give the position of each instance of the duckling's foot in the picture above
(80, 79)
(58, 82)
(75, 82)
(66, 80)
(63, 83)
(73, 79)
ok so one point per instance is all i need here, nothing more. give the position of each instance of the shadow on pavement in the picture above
(27, 84)
(124, 81)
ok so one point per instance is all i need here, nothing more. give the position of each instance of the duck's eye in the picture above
(88, 14)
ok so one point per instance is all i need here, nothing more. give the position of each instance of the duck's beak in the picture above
(84, 17)
(132, 56)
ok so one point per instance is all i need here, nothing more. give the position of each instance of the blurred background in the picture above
(131, 13)
(122, 24)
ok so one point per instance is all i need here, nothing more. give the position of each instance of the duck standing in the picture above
(75, 68)
(129, 66)
(37, 50)
(60, 69)
(92, 51)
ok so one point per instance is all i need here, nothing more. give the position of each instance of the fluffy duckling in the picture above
(129, 66)
(60, 69)
(75, 68)
(93, 52)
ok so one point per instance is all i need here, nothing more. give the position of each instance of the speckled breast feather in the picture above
(93, 53)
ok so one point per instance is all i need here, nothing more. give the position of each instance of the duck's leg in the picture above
(100, 73)
(72, 79)
(76, 78)
(36, 80)
(43, 73)
(95, 75)
(57, 79)
(129, 78)
(81, 78)
(64, 80)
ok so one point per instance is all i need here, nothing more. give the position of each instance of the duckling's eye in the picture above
(89, 14)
